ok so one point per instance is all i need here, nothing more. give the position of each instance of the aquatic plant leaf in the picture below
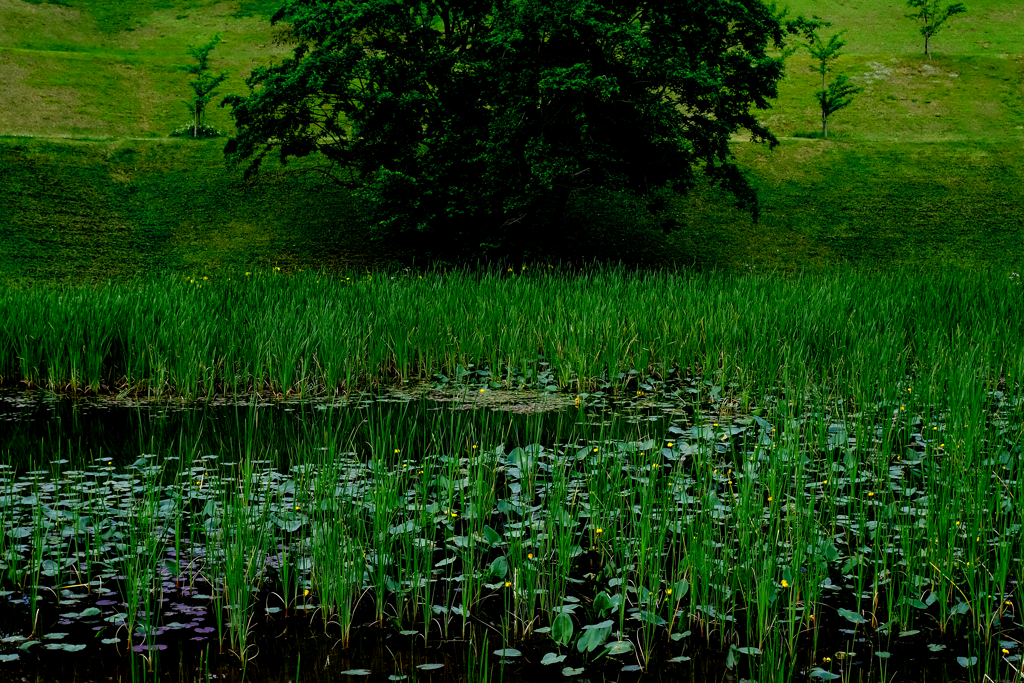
(569, 671)
(966, 662)
(356, 672)
(619, 647)
(936, 647)
(403, 528)
(960, 608)
(748, 650)
(89, 612)
(551, 658)
(54, 636)
(594, 636)
(678, 660)
(603, 602)
(561, 628)
(818, 672)
(852, 617)
(508, 652)
(499, 567)
(67, 647)
(430, 667)
(679, 636)
(9, 658)
(491, 537)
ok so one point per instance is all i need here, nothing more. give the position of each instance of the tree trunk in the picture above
(824, 127)
(928, 46)
(195, 121)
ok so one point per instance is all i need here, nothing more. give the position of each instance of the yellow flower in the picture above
(529, 556)
(670, 444)
(1005, 651)
(599, 530)
(769, 499)
(871, 493)
(827, 660)
(507, 584)
(481, 391)
(668, 591)
(785, 584)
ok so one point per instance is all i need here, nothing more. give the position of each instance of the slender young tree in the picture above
(205, 84)
(839, 93)
(932, 16)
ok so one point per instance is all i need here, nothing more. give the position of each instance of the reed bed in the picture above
(314, 334)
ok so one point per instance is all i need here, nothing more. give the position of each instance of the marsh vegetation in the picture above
(617, 475)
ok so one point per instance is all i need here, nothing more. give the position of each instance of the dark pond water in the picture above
(65, 604)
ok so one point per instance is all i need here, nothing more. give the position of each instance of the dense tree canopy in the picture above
(474, 120)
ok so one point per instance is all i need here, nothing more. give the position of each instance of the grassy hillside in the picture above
(925, 167)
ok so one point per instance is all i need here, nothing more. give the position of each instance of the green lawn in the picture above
(924, 168)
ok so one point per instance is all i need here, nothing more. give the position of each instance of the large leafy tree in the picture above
(475, 120)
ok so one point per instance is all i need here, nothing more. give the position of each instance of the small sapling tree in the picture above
(839, 93)
(932, 16)
(205, 84)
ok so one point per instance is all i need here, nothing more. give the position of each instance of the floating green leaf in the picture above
(619, 647)
(852, 617)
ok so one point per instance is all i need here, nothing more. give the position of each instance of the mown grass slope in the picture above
(924, 168)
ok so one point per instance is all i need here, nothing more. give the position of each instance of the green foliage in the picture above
(476, 122)
(933, 14)
(839, 93)
(204, 86)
